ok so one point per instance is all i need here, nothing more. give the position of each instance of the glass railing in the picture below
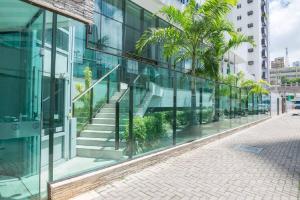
(153, 108)
(88, 103)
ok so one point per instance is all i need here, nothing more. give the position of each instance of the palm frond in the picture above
(168, 35)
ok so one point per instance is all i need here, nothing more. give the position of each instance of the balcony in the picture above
(263, 31)
(264, 20)
(264, 64)
(264, 53)
(264, 42)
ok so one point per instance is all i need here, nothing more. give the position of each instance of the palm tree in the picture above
(258, 88)
(200, 37)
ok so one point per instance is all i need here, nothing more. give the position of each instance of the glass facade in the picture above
(74, 100)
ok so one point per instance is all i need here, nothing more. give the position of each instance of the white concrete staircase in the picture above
(98, 138)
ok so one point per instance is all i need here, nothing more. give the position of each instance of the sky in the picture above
(285, 28)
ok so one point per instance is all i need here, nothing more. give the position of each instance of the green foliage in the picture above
(182, 118)
(256, 87)
(285, 80)
(82, 106)
(147, 131)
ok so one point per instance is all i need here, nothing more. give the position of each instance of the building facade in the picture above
(72, 87)
(288, 73)
(296, 64)
(250, 17)
(278, 63)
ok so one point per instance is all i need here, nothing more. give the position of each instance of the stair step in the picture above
(97, 134)
(104, 142)
(99, 152)
(105, 115)
(108, 110)
(104, 120)
(101, 127)
(110, 105)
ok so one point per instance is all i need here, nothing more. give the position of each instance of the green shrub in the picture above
(147, 131)
(182, 118)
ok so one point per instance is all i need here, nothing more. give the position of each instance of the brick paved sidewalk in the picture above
(224, 169)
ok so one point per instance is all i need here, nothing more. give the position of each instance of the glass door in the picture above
(20, 90)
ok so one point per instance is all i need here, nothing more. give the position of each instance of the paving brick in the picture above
(219, 171)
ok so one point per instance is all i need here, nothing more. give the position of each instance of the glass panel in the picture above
(183, 114)
(224, 101)
(20, 110)
(113, 9)
(109, 28)
(149, 22)
(133, 15)
(152, 103)
(132, 36)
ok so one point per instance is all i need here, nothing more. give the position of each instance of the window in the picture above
(239, 17)
(113, 9)
(250, 25)
(109, 28)
(250, 13)
(149, 21)
(239, 6)
(239, 30)
(249, 1)
(131, 36)
(250, 50)
(251, 37)
(250, 62)
(133, 15)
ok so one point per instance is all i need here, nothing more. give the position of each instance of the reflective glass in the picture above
(133, 15)
(113, 9)
(20, 107)
(109, 28)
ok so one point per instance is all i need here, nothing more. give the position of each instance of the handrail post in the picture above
(230, 101)
(253, 109)
(73, 109)
(117, 132)
(131, 138)
(174, 107)
(119, 79)
(91, 105)
(240, 104)
(200, 104)
(108, 89)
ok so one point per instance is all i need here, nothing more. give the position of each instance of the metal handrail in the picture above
(94, 84)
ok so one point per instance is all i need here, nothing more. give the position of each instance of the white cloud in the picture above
(285, 28)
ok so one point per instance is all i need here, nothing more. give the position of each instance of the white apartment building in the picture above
(250, 17)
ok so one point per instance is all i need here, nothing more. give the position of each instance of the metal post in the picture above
(108, 89)
(117, 131)
(119, 79)
(200, 104)
(240, 108)
(278, 106)
(253, 104)
(257, 106)
(230, 101)
(52, 97)
(174, 107)
(91, 105)
(131, 138)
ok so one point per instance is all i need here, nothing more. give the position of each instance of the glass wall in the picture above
(20, 102)
(129, 21)
(75, 109)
